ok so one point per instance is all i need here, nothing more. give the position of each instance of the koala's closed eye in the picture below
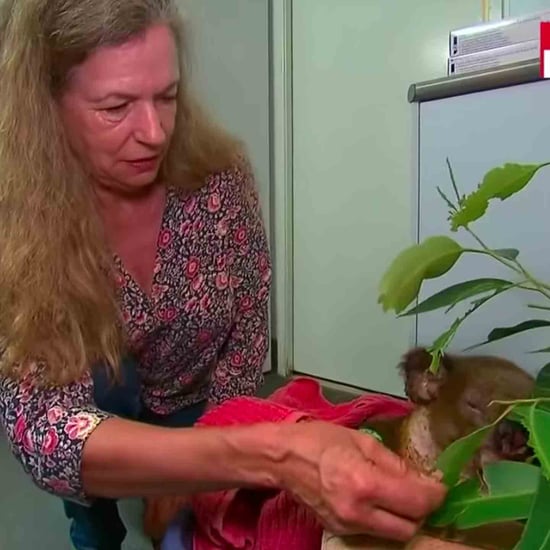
(474, 405)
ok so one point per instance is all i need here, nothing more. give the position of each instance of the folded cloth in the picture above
(271, 519)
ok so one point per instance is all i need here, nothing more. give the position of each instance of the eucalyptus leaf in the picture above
(538, 306)
(536, 419)
(511, 489)
(505, 332)
(508, 253)
(536, 535)
(539, 436)
(501, 182)
(457, 500)
(448, 202)
(542, 383)
(402, 281)
(457, 293)
(440, 344)
(457, 455)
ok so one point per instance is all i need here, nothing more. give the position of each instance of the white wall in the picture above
(353, 173)
(231, 44)
(515, 8)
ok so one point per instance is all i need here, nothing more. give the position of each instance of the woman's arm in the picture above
(73, 450)
(47, 429)
(353, 483)
(123, 458)
(239, 365)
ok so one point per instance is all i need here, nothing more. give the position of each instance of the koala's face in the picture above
(460, 397)
(479, 383)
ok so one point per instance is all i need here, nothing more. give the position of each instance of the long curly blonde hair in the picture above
(58, 304)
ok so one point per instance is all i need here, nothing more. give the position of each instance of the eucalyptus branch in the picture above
(516, 266)
(453, 181)
(542, 287)
(443, 341)
(537, 306)
(486, 250)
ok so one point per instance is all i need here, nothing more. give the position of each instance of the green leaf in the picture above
(371, 432)
(501, 183)
(456, 293)
(440, 345)
(456, 501)
(402, 281)
(505, 332)
(508, 253)
(453, 180)
(542, 350)
(511, 488)
(455, 457)
(446, 199)
(542, 382)
(536, 535)
(536, 418)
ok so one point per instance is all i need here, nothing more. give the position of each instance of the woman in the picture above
(134, 285)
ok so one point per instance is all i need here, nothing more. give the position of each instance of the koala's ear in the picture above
(422, 386)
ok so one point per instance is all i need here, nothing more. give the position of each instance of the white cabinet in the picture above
(478, 132)
(353, 61)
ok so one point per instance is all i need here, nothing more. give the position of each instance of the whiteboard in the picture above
(478, 132)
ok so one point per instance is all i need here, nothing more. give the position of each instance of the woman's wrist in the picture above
(256, 454)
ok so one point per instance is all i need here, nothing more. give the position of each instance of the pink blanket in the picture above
(272, 520)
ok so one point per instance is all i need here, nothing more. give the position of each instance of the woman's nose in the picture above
(149, 128)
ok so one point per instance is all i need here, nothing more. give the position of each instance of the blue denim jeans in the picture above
(99, 527)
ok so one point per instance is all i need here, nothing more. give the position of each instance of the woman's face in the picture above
(119, 108)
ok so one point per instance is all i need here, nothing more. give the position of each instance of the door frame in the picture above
(282, 186)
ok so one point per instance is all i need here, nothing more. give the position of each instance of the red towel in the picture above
(268, 519)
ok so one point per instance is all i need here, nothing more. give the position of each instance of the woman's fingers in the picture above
(389, 526)
(395, 486)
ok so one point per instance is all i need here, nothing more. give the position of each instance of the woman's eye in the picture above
(116, 108)
(169, 99)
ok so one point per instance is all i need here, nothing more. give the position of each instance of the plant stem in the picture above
(453, 181)
(514, 265)
(487, 250)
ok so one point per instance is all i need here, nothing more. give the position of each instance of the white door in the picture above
(353, 61)
(230, 40)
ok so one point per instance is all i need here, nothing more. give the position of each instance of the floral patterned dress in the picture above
(201, 334)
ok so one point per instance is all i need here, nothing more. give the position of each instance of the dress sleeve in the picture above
(47, 429)
(239, 366)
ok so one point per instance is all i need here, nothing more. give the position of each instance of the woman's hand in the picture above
(354, 484)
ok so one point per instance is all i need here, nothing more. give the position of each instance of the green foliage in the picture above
(536, 535)
(505, 332)
(536, 418)
(542, 387)
(455, 457)
(508, 490)
(401, 282)
(454, 294)
(506, 494)
(498, 183)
